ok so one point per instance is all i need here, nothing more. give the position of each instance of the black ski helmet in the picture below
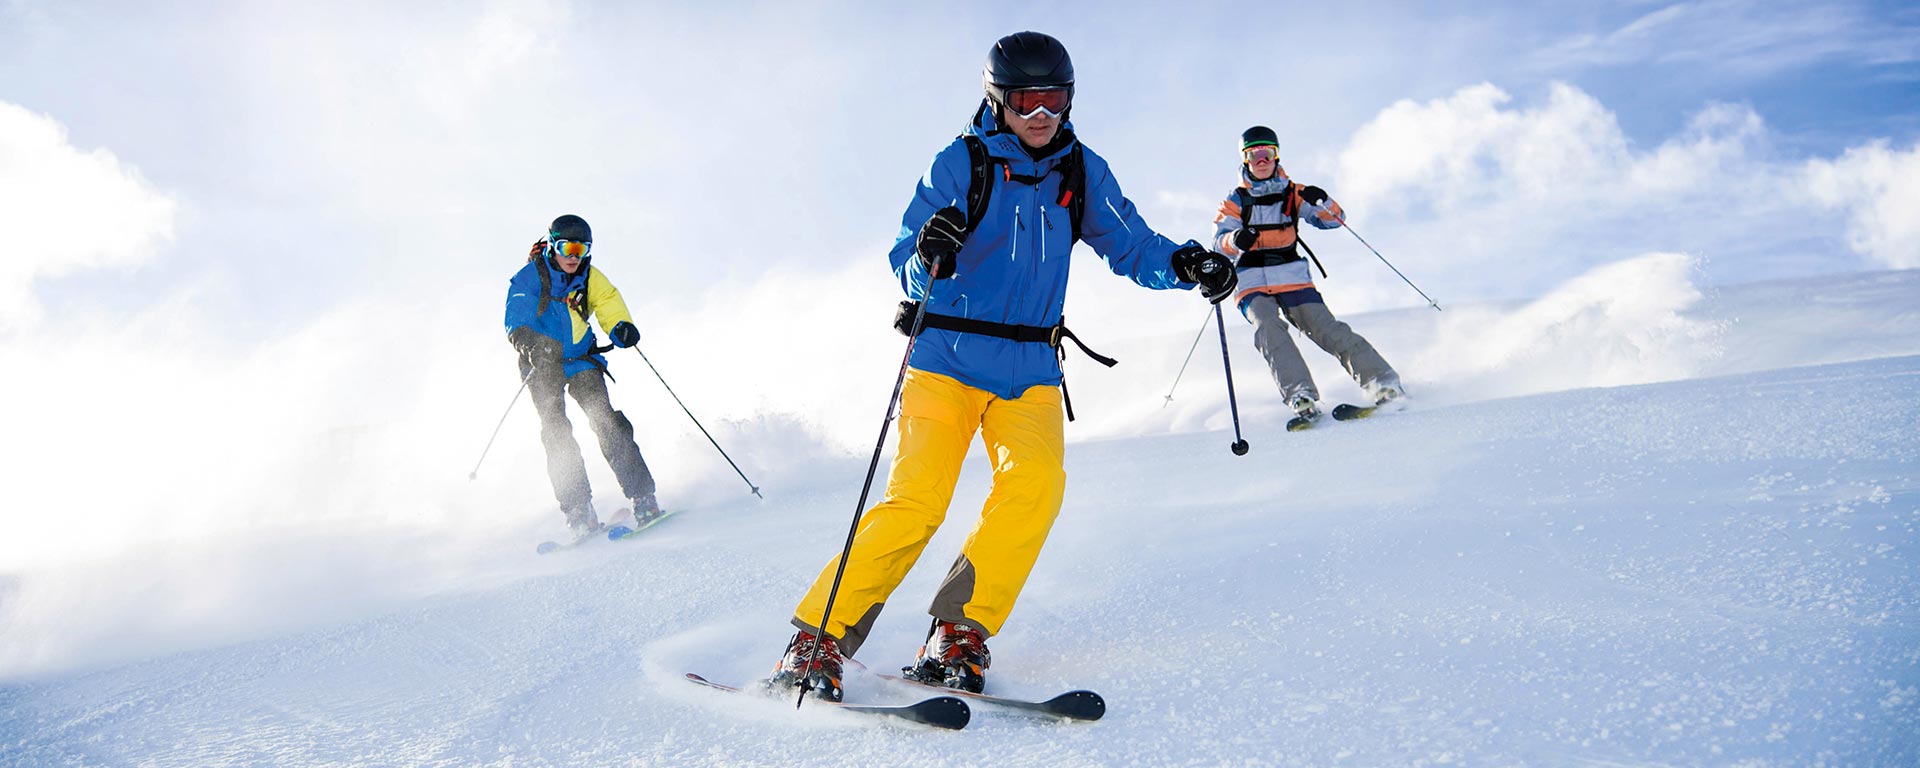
(570, 227)
(1026, 60)
(1257, 136)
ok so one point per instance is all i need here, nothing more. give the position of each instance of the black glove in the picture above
(940, 240)
(624, 334)
(1243, 238)
(1212, 271)
(539, 249)
(536, 349)
(1312, 195)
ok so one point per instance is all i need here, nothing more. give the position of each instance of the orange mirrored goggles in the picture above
(575, 248)
(1262, 152)
(1028, 102)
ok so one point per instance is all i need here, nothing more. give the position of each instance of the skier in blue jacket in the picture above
(987, 363)
(549, 302)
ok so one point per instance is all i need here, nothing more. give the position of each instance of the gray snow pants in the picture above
(565, 467)
(1312, 318)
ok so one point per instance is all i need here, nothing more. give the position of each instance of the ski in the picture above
(1349, 412)
(1072, 705)
(618, 532)
(940, 711)
(1341, 412)
(550, 547)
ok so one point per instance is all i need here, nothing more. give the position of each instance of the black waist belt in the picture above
(1269, 257)
(1051, 337)
(903, 322)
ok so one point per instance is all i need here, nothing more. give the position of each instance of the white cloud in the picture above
(1469, 148)
(65, 210)
(1618, 324)
(1879, 188)
(1471, 185)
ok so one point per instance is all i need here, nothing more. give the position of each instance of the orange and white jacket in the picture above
(1273, 265)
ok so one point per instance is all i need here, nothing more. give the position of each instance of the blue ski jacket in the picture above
(575, 298)
(1013, 267)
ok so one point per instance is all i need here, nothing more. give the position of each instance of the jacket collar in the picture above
(1272, 185)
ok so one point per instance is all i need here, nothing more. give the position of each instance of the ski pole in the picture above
(859, 508)
(1183, 364)
(503, 420)
(1383, 260)
(696, 423)
(1239, 443)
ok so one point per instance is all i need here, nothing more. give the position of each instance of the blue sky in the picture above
(338, 143)
(232, 179)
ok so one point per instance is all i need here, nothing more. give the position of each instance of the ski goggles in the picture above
(1262, 152)
(574, 248)
(1028, 102)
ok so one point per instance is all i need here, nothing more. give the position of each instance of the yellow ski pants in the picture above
(1026, 444)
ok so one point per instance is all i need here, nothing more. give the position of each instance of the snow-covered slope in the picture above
(1710, 571)
(1719, 569)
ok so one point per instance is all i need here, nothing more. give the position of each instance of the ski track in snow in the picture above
(1709, 571)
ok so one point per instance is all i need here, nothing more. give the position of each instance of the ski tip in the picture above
(1079, 705)
(942, 712)
(1348, 411)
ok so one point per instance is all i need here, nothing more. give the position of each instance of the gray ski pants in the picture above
(1312, 318)
(565, 466)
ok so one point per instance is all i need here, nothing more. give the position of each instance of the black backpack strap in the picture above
(1289, 207)
(1073, 182)
(1073, 188)
(586, 293)
(1297, 240)
(980, 189)
(546, 287)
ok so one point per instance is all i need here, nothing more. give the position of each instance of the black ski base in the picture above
(944, 712)
(1072, 705)
(1349, 411)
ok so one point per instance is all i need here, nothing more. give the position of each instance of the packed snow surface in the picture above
(1704, 560)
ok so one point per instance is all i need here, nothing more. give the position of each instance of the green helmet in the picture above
(1257, 136)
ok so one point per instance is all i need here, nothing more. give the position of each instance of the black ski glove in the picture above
(624, 334)
(539, 249)
(1243, 238)
(1212, 271)
(1312, 195)
(537, 349)
(940, 240)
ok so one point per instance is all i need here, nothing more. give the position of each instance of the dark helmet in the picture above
(1257, 136)
(1026, 60)
(570, 227)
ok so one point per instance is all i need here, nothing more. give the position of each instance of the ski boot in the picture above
(1385, 391)
(1306, 411)
(955, 656)
(818, 670)
(646, 509)
(582, 521)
